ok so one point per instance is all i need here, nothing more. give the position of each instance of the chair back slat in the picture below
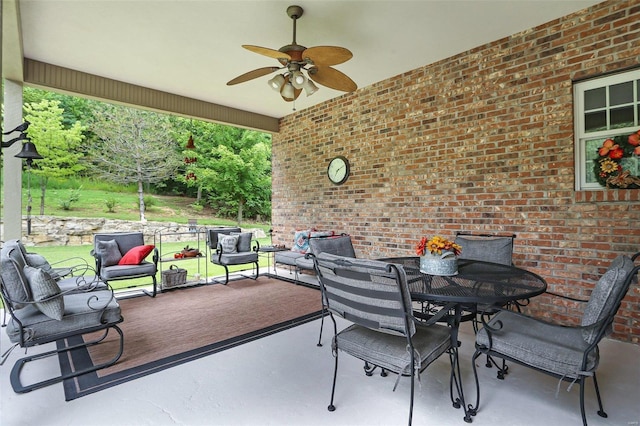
(369, 293)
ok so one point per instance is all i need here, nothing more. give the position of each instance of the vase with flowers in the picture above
(438, 256)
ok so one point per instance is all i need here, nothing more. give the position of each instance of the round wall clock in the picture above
(338, 170)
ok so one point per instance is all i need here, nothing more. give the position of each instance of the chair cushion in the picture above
(38, 261)
(234, 258)
(44, 290)
(487, 249)
(301, 241)
(303, 263)
(244, 241)
(549, 347)
(603, 300)
(110, 252)
(78, 315)
(13, 279)
(390, 351)
(340, 246)
(288, 257)
(130, 271)
(136, 255)
(228, 243)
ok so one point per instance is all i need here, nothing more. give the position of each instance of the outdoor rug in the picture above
(182, 325)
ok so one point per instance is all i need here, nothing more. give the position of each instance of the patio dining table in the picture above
(475, 284)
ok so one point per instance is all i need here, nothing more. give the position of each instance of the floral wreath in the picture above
(609, 167)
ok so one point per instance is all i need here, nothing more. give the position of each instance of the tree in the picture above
(59, 146)
(133, 146)
(233, 167)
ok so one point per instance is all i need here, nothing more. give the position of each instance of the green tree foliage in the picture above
(233, 169)
(133, 146)
(55, 142)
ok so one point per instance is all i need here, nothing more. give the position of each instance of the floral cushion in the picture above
(43, 289)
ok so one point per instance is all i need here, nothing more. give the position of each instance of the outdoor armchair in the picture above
(40, 312)
(374, 297)
(566, 352)
(231, 246)
(121, 256)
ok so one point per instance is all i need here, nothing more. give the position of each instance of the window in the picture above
(604, 107)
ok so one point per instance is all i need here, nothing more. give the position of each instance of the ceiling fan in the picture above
(295, 58)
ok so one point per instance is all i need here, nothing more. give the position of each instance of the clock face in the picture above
(338, 170)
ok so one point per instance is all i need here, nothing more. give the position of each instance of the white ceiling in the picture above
(192, 48)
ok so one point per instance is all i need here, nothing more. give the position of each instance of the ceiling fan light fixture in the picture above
(277, 82)
(309, 87)
(288, 91)
(298, 79)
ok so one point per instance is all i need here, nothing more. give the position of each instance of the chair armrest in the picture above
(255, 245)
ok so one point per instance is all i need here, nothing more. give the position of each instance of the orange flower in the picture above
(616, 153)
(608, 145)
(634, 139)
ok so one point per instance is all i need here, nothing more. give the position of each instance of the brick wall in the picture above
(479, 141)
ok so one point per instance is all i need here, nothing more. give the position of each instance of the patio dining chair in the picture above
(374, 297)
(340, 246)
(566, 352)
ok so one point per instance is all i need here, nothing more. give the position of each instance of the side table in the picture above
(270, 252)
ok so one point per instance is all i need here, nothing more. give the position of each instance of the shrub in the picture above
(74, 195)
(111, 204)
(149, 202)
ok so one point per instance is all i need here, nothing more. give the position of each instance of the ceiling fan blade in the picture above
(252, 74)
(332, 78)
(276, 54)
(327, 55)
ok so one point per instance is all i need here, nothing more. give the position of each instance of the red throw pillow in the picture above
(136, 255)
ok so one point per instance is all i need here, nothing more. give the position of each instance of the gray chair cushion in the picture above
(244, 241)
(488, 249)
(109, 252)
(549, 347)
(13, 279)
(303, 263)
(234, 258)
(44, 290)
(389, 351)
(126, 240)
(81, 310)
(602, 300)
(119, 271)
(288, 257)
(340, 246)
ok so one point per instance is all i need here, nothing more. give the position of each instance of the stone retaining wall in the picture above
(73, 231)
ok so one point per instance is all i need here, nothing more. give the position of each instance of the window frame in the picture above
(581, 161)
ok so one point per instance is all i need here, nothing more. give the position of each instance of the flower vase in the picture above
(443, 265)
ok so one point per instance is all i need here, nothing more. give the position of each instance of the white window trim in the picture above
(581, 136)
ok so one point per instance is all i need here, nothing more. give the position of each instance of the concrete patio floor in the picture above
(285, 379)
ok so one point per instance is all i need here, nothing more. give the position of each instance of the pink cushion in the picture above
(136, 255)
